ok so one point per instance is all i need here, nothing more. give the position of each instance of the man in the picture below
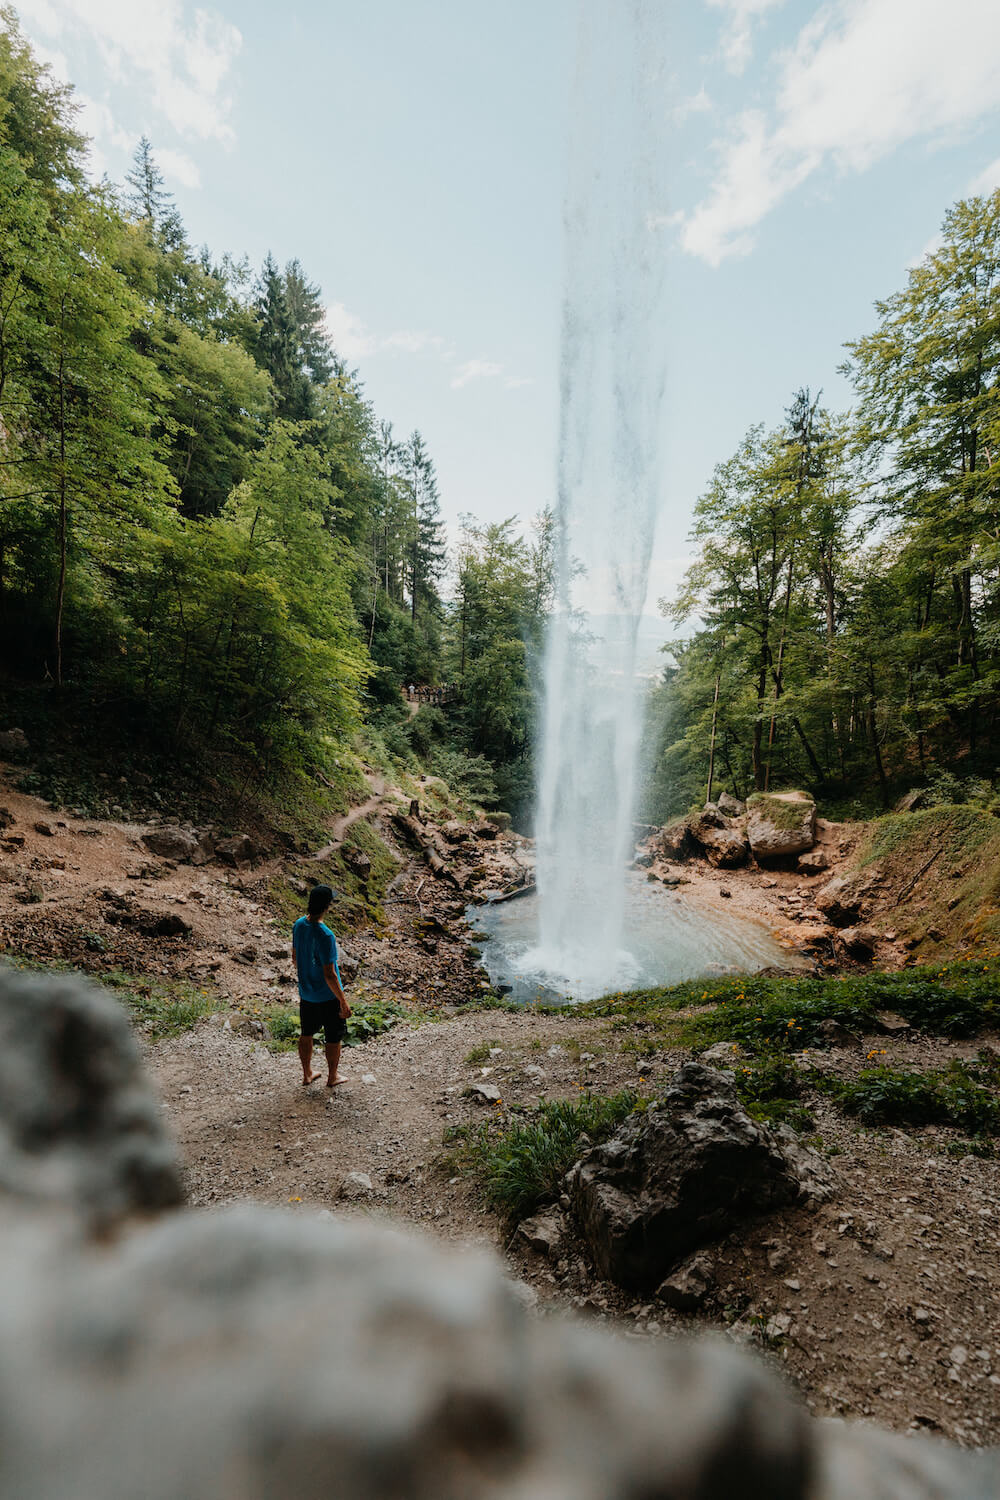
(322, 1003)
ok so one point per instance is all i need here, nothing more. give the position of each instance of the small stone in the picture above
(959, 1355)
(45, 828)
(483, 1093)
(793, 1285)
(355, 1185)
(545, 1233)
(368, 1078)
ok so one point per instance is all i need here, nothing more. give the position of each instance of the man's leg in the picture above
(305, 1058)
(332, 1063)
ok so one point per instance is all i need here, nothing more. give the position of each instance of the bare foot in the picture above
(308, 1079)
(332, 1083)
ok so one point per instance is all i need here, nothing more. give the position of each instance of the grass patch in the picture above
(159, 1007)
(956, 999)
(359, 902)
(771, 1090)
(521, 1165)
(961, 1094)
(480, 1054)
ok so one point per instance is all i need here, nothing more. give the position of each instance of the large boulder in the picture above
(683, 1174)
(780, 825)
(14, 744)
(674, 841)
(840, 901)
(730, 807)
(722, 843)
(171, 843)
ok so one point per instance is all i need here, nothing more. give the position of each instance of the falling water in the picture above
(612, 383)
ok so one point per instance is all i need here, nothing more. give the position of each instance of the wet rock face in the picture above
(80, 1127)
(780, 826)
(681, 1176)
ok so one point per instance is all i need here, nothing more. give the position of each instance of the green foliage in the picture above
(765, 1013)
(771, 1088)
(782, 813)
(480, 1053)
(521, 1165)
(368, 1019)
(954, 1095)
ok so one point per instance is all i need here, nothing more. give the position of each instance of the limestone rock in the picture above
(355, 1186)
(544, 1232)
(171, 843)
(357, 861)
(860, 942)
(839, 901)
(689, 1287)
(674, 841)
(780, 825)
(730, 807)
(680, 1176)
(14, 744)
(722, 1054)
(814, 862)
(79, 1124)
(238, 850)
(723, 845)
(483, 1093)
(485, 830)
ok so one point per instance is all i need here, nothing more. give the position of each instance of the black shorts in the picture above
(322, 1015)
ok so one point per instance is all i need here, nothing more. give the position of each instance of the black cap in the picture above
(320, 898)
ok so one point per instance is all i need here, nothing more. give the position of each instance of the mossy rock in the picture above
(780, 824)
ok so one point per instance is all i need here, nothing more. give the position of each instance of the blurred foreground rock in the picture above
(254, 1354)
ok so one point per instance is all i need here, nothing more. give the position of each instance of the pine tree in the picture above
(305, 304)
(277, 347)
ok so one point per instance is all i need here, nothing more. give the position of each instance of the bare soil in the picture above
(883, 1305)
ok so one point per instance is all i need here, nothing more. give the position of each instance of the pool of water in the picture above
(668, 937)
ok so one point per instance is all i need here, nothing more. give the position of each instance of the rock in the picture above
(860, 942)
(246, 1026)
(7, 818)
(674, 841)
(678, 1177)
(485, 831)
(171, 925)
(534, 1072)
(205, 852)
(726, 895)
(912, 801)
(688, 1288)
(730, 807)
(723, 1053)
(238, 850)
(355, 1186)
(545, 1232)
(726, 849)
(839, 901)
(14, 744)
(836, 1035)
(80, 1126)
(891, 1023)
(483, 1093)
(455, 832)
(500, 820)
(813, 863)
(710, 816)
(356, 860)
(45, 829)
(171, 843)
(779, 825)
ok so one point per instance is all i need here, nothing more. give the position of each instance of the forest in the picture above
(846, 579)
(212, 549)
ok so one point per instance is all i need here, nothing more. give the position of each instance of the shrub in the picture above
(944, 1096)
(521, 1166)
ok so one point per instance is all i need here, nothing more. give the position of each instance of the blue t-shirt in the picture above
(315, 946)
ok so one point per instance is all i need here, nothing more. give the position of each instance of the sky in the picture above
(412, 155)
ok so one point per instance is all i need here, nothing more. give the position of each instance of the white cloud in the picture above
(353, 340)
(986, 181)
(697, 104)
(181, 62)
(475, 369)
(862, 78)
(179, 166)
(736, 40)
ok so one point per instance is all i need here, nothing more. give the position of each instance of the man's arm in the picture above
(330, 975)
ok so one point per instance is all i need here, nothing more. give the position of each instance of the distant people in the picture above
(410, 692)
(322, 1003)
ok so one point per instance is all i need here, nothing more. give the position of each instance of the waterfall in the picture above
(612, 380)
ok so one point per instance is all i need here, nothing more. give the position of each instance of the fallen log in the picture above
(519, 890)
(429, 846)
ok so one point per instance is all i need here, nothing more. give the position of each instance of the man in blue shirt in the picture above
(322, 1003)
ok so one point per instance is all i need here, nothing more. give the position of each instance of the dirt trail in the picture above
(366, 809)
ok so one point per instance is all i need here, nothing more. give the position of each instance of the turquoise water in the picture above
(667, 937)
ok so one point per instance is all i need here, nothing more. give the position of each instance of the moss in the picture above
(784, 814)
(359, 902)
